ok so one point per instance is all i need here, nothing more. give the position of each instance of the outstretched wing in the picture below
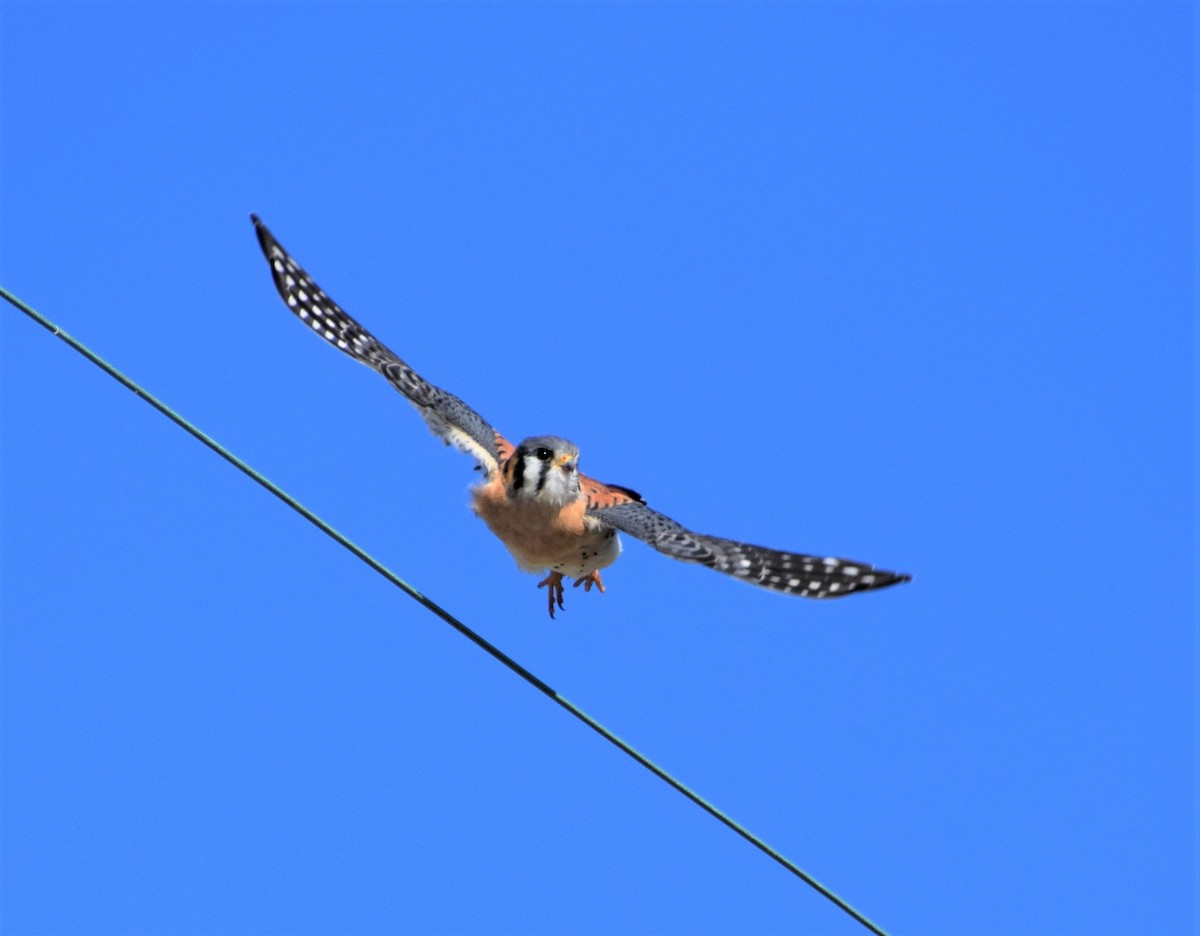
(448, 416)
(791, 573)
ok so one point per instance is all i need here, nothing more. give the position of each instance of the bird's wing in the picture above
(791, 573)
(448, 416)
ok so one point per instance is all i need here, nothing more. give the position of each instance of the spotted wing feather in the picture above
(791, 573)
(448, 416)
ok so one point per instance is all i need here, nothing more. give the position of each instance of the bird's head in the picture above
(544, 469)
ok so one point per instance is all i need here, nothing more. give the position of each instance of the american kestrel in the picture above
(549, 515)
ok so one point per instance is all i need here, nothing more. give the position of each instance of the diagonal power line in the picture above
(436, 609)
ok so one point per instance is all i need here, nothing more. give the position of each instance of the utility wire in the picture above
(413, 593)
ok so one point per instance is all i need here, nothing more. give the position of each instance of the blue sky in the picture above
(913, 283)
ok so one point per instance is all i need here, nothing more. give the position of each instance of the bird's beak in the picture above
(566, 463)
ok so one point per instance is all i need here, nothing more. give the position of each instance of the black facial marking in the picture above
(543, 471)
(518, 469)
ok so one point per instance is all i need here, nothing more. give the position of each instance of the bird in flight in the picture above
(550, 516)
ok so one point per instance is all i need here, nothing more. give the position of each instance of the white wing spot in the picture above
(850, 570)
(813, 586)
(793, 583)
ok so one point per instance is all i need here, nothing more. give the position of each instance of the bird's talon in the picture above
(588, 581)
(553, 582)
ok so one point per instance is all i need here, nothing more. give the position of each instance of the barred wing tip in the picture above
(811, 577)
(885, 579)
(266, 240)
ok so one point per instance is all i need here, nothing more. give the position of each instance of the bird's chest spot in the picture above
(542, 536)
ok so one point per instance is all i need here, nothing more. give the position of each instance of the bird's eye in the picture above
(543, 454)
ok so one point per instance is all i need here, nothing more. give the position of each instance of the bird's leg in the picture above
(553, 582)
(592, 578)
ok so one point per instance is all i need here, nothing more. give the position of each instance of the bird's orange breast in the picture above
(539, 536)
